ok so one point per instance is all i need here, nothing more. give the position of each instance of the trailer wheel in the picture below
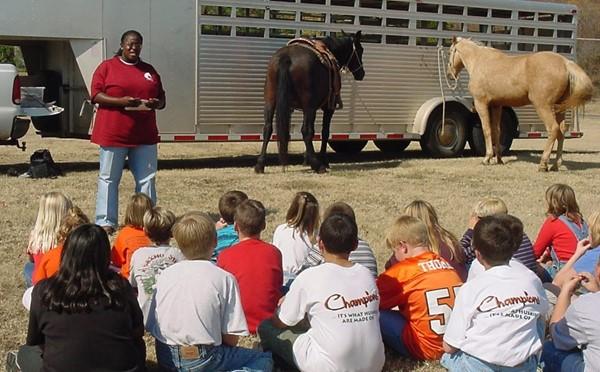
(392, 147)
(449, 143)
(508, 133)
(350, 147)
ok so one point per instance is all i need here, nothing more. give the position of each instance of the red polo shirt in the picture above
(115, 126)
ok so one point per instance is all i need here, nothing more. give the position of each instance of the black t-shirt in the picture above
(101, 340)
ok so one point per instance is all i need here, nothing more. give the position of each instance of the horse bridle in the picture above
(345, 65)
(453, 51)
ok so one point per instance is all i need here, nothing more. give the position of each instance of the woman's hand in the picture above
(128, 101)
(153, 103)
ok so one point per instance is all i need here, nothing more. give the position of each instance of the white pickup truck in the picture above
(15, 112)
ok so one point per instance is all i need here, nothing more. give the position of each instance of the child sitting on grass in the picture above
(422, 285)
(148, 262)
(226, 234)
(340, 300)
(255, 264)
(196, 314)
(498, 318)
(131, 236)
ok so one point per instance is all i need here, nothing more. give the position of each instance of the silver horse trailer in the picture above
(212, 55)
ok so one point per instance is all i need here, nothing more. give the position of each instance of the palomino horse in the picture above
(296, 79)
(548, 81)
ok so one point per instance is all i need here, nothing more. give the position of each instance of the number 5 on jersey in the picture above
(435, 308)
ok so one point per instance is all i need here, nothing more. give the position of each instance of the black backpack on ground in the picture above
(42, 165)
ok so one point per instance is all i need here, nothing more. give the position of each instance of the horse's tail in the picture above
(581, 88)
(282, 107)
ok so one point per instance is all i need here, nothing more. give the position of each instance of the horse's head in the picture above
(455, 63)
(349, 54)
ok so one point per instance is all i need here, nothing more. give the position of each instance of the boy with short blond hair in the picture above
(255, 264)
(189, 330)
(422, 285)
(147, 263)
(226, 233)
(498, 317)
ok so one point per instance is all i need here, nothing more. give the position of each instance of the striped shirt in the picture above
(362, 255)
(524, 254)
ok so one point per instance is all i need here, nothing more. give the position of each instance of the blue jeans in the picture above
(392, 324)
(142, 162)
(213, 358)
(463, 362)
(28, 273)
(555, 360)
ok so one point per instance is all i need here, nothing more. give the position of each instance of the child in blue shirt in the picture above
(226, 234)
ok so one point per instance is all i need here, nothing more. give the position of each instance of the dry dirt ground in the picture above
(193, 176)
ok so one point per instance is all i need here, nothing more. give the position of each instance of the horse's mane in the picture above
(337, 43)
(478, 43)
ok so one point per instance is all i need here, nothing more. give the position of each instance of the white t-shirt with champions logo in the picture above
(497, 316)
(342, 304)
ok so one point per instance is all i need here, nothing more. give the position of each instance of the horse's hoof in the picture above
(499, 161)
(486, 162)
(322, 169)
(543, 168)
(259, 169)
(554, 168)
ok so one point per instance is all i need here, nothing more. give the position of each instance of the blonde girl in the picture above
(52, 208)
(563, 228)
(295, 237)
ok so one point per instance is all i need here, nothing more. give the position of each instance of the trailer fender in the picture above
(422, 116)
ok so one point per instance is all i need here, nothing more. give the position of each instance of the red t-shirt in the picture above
(555, 233)
(257, 267)
(115, 126)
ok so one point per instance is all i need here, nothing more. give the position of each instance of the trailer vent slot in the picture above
(250, 13)
(218, 11)
(398, 5)
(397, 22)
(215, 30)
(250, 31)
(452, 9)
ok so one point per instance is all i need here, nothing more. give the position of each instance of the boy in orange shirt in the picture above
(131, 237)
(423, 287)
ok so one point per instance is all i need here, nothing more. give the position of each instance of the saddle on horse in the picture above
(328, 60)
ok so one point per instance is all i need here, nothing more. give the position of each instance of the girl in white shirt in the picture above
(295, 237)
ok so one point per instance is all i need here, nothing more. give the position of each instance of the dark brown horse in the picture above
(296, 79)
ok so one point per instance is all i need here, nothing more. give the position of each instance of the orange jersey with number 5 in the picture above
(424, 288)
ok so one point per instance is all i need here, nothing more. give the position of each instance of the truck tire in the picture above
(392, 147)
(350, 147)
(508, 132)
(452, 142)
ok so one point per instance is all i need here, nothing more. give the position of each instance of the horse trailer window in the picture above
(282, 15)
(339, 18)
(398, 5)
(219, 11)
(452, 26)
(322, 2)
(427, 8)
(396, 39)
(342, 2)
(249, 13)
(451, 9)
(371, 38)
(545, 32)
(250, 31)
(312, 17)
(312, 33)
(545, 48)
(397, 22)
(501, 13)
(501, 29)
(427, 25)
(215, 30)
(526, 16)
(477, 12)
(525, 47)
(546, 17)
(565, 34)
(502, 45)
(370, 21)
(375, 4)
(473, 27)
(526, 31)
(566, 49)
(282, 33)
(565, 18)
(427, 41)
(447, 42)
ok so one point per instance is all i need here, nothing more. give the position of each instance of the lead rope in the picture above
(441, 61)
(345, 71)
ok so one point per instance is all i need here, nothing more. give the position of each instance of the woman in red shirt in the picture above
(127, 92)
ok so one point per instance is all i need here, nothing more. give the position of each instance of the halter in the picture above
(345, 65)
(453, 51)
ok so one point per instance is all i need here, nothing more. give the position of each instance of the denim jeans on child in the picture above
(463, 362)
(212, 358)
(554, 360)
(392, 324)
(142, 162)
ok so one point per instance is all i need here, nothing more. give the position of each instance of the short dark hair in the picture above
(339, 234)
(340, 208)
(497, 237)
(250, 217)
(229, 202)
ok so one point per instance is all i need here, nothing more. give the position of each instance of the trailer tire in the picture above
(350, 147)
(450, 144)
(509, 130)
(392, 147)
